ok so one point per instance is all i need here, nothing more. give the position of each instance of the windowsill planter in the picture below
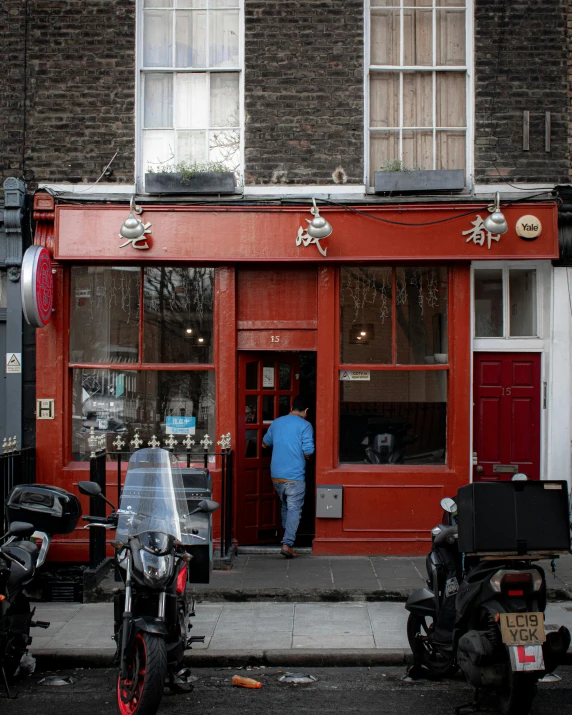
(432, 180)
(207, 182)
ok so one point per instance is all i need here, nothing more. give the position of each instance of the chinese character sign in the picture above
(478, 234)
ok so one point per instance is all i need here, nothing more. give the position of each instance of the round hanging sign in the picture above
(37, 286)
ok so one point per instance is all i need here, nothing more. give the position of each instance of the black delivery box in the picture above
(514, 517)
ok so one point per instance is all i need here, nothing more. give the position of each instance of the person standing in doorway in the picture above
(293, 441)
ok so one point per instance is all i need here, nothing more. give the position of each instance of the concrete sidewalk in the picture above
(271, 577)
(289, 634)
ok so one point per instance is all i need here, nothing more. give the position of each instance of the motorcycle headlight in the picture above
(156, 568)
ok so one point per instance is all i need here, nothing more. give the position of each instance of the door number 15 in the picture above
(506, 390)
(274, 338)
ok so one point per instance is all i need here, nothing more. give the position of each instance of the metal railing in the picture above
(99, 458)
(17, 466)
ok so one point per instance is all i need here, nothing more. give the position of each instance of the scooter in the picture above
(387, 447)
(473, 616)
(151, 615)
(38, 511)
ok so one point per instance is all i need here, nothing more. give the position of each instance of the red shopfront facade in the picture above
(226, 315)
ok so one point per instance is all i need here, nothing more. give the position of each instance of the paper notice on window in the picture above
(267, 377)
(355, 375)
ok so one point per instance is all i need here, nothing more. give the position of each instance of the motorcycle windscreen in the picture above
(153, 496)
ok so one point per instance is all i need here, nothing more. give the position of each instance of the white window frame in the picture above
(139, 87)
(468, 68)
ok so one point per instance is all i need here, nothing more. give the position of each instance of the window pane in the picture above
(191, 39)
(224, 147)
(251, 376)
(192, 3)
(3, 289)
(450, 3)
(417, 150)
(268, 408)
(523, 304)
(450, 37)
(417, 99)
(157, 38)
(104, 314)
(488, 303)
(384, 99)
(178, 324)
(223, 3)
(158, 3)
(223, 40)
(422, 315)
(284, 406)
(365, 296)
(402, 415)
(224, 100)
(285, 376)
(386, 3)
(158, 101)
(251, 407)
(385, 37)
(158, 149)
(123, 402)
(192, 147)
(383, 149)
(451, 147)
(191, 107)
(417, 37)
(451, 100)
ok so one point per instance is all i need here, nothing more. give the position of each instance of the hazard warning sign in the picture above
(13, 362)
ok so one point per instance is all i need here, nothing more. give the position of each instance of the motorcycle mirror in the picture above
(207, 506)
(449, 505)
(91, 489)
(21, 528)
(520, 477)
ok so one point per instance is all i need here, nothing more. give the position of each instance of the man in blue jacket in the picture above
(293, 441)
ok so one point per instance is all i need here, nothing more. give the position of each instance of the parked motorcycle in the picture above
(152, 613)
(473, 616)
(38, 511)
(387, 446)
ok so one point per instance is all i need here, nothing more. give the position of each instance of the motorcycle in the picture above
(151, 615)
(387, 447)
(468, 616)
(37, 511)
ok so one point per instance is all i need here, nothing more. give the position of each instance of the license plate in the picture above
(526, 657)
(522, 628)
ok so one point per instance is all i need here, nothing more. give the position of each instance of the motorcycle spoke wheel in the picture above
(141, 691)
(419, 637)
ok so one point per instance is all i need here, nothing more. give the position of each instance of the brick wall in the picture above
(304, 91)
(80, 89)
(521, 64)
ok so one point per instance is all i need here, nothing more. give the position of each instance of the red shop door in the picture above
(268, 382)
(506, 415)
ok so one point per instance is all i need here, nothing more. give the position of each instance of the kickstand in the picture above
(6, 686)
(473, 707)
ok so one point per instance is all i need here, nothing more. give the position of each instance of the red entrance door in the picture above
(268, 382)
(506, 415)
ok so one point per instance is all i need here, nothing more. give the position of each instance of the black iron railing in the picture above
(17, 466)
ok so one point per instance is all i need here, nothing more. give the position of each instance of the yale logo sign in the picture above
(528, 227)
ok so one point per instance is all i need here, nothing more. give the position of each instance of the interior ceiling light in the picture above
(496, 222)
(189, 331)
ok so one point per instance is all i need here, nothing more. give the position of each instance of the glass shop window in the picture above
(125, 402)
(392, 318)
(505, 303)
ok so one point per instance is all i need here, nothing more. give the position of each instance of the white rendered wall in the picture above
(560, 383)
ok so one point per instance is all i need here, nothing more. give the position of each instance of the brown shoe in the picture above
(288, 552)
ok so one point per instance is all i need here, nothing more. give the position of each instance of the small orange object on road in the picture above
(245, 682)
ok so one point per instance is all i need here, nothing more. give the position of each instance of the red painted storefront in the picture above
(267, 287)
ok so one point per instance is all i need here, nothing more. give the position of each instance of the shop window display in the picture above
(393, 318)
(110, 326)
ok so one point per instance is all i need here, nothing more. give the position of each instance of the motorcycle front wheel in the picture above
(517, 696)
(424, 652)
(141, 691)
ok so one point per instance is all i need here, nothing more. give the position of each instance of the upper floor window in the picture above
(190, 59)
(418, 84)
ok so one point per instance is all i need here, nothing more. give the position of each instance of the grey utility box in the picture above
(329, 501)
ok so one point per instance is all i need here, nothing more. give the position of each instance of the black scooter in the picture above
(470, 617)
